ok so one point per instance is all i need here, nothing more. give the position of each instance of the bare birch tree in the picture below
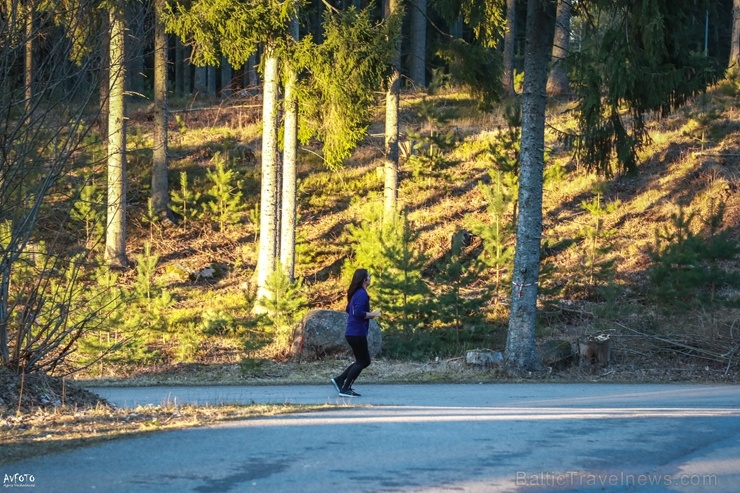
(40, 143)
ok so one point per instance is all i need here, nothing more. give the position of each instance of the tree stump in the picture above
(595, 350)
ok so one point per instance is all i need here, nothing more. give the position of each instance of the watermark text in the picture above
(579, 478)
(19, 480)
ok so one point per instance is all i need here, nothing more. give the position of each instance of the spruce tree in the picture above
(402, 293)
(225, 197)
(598, 268)
(687, 265)
(456, 304)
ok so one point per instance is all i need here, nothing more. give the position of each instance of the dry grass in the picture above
(692, 159)
(44, 431)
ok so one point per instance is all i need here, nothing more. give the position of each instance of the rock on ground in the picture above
(321, 335)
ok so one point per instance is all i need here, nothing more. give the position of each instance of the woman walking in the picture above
(358, 323)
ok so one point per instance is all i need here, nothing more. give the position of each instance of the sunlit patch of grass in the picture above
(43, 432)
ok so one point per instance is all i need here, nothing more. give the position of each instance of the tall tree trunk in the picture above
(136, 35)
(179, 64)
(509, 45)
(520, 346)
(187, 70)
(160, 189)
(557, 82)
(28, 69)
(268, 195)
(392, 101)
(290, 155)
(734, 64)
(200, 86)
(226, 88)
(417, 64)
(115, 239)
(211, 82)
(252, 77)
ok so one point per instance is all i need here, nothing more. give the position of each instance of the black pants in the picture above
(362, 361)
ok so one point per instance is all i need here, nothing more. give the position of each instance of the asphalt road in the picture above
(422, 438)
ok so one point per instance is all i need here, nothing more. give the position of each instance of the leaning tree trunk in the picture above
(417, 62)
(557, 82)
(520, 345)
(392, 101)
(290, 155)
(115, 239)
(734, 65)
(28, 70)
(266, 260)
(509, 45)
(160, 190)
(104, 76)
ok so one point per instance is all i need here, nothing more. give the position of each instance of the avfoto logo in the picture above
(18, 480)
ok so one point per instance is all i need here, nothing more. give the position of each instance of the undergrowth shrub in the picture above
(286, 304)
(597, 266)
(185, 201)
(224, 203)
(687, 261)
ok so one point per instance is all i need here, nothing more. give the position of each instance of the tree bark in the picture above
(268, 195)
(417, 62)
(520, 343)
(211, 82)
(557, 82)
(200, 86)
(136, 13)
(290, 155)
(251, 72)
(179, 64)
(392, 102)
(187, 70)
(509, 45)
(115, 239)
(734, 65)
(160, 189)
(226, 88)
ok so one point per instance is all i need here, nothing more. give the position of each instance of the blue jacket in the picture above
(357, 309)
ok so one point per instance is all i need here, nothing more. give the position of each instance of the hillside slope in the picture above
(692, 166)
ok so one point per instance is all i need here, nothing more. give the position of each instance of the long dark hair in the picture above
(357, 279)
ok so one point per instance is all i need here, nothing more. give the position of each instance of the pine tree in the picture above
(456, 304)
(387, 250)
(687, 264)
(185, 201)
(497, 234)
(285, 304)
(598, 268)
(402, 293)
(88, 209)
(225, 198)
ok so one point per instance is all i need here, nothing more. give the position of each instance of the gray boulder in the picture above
(321, 334)
(484, 358)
